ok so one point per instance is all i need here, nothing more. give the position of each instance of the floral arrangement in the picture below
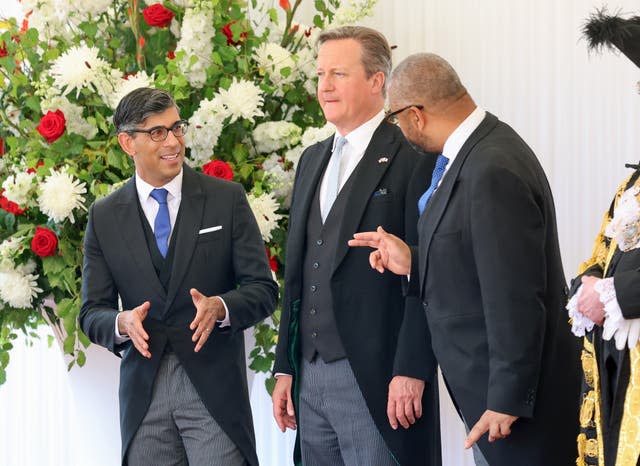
(242, 74)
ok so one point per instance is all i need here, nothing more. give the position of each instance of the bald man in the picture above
(488, 271)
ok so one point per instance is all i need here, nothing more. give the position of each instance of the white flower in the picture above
(280, 180)
(60, 194)
(306, 62)
(128, 84)
(18, 289)
(352, 11)
(293, 155)
(17, 188)
(264, 208)
(277, 62)
(195, 40)
(313, 135)
(9, 250)
(205, 127)
(73, 115)
(81, 67)
(243, 99)
(271, 136)
(88, 8)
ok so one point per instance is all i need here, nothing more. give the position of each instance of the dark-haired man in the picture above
(183, 253)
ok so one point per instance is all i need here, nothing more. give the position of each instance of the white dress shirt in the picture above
(357, 142)
(150, 208)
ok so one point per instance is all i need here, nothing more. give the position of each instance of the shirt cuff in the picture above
(120, 338)
(226, 322)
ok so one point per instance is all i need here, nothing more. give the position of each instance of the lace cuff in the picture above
(613, 314)
(579, 323)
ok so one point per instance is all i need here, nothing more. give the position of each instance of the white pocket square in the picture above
(210, 229)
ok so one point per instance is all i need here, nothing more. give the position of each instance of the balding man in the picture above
(488, 271)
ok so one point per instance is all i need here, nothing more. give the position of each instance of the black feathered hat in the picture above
(603, 30)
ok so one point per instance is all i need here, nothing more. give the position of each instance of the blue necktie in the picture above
(333, 177)
(438, 171)
(162, 224)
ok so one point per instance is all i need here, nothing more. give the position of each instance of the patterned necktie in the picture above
(438, 171)
(162, 224)
(333, 177)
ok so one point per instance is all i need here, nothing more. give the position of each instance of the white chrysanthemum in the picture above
(277, 62)
(264, 208)
(47, 16)
(128, 84)
(306, 62)
(18, 289)
(18, 188)
(73, 115)
(313, 135)
(205, 127)
(243, 99)
(271, 136)
(60, 194)
(195, 40)
(80, 67)
(352, 11)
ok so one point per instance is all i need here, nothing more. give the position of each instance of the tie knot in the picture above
(340, 142)
(160, 195)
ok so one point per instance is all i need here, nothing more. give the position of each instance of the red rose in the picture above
(9, 206)
(284, 4)
(157, 15)
(52, 125)
(273, 262)
(3, 50)
(226, 30)
(44, 242)
(218, 169)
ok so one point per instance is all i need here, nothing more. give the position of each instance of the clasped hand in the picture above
(209, 310)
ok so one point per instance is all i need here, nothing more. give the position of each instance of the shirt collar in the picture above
(456, 140)
(360, 137)
(174, 187)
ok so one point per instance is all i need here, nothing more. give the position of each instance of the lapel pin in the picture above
(383, 160)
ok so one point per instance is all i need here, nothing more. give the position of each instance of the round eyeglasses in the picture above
(160, 133)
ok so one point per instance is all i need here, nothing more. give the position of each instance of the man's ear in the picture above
(418, 118)
(126, 142)
(377, 82)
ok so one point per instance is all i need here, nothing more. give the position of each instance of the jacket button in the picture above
(314, 334)
(319, 242)
(314, 288)
(316, 265)
(312, 312)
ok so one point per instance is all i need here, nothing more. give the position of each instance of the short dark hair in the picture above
(376, 53)
(138, 105)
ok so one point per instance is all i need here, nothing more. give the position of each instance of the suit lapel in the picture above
(190, 217)
(128, 215)
(430, 219)
(376, 161)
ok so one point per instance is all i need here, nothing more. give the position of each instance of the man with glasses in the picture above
(348, 337)
(182, 253)
(488, 271)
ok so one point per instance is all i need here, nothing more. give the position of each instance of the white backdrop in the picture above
(523, 61)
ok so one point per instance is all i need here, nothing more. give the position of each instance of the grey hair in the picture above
(427, 79)
(376, 53)
(138, 105)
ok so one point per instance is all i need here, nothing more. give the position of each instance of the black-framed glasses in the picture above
(160, 133)
(392, 117)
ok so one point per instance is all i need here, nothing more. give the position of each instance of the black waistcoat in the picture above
(318, 329)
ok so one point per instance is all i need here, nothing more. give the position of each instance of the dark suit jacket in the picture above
(369, 306)
(494, 292)
(230, 263)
